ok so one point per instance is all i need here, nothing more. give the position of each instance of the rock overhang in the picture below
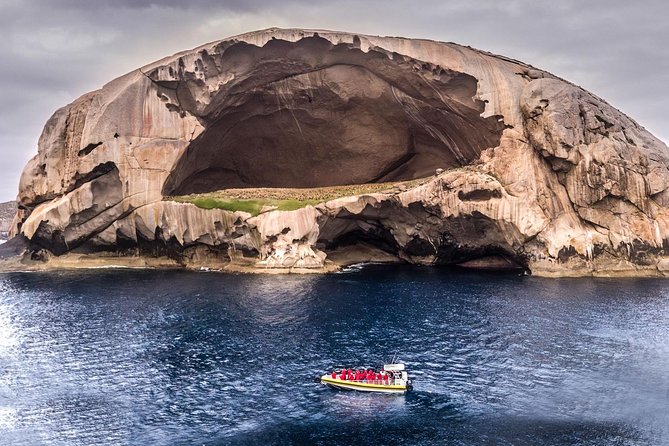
(312, 113)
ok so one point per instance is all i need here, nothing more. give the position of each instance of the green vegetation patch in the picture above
(291, 205)
(253, 207)
(253, 200)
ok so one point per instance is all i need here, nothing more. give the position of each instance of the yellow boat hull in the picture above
(362, 386)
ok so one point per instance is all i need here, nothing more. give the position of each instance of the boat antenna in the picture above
(392, 361)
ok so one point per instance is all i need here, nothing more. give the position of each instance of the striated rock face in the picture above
(534, 172)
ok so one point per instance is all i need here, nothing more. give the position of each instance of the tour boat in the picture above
(394, 380)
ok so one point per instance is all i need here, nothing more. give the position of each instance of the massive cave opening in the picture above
(310, 114)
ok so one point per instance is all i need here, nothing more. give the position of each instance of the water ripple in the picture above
(164, 358)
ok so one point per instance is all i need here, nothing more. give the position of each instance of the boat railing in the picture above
(386, 382)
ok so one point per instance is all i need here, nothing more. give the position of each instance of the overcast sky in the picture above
(53, 51)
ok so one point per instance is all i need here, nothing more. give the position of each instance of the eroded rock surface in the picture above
(312, 113)
(532, 171)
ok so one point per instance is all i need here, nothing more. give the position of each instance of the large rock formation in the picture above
(536, 172)
(7, 211)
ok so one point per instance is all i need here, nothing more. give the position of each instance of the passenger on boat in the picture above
(342, 376)
(334, 374)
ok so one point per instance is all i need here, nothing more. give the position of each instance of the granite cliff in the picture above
(488, 162)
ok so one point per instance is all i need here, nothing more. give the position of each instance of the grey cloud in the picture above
(229, 5)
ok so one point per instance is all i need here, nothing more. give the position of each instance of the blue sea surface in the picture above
(120, 357)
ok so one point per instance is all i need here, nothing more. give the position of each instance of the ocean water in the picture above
(122, 357)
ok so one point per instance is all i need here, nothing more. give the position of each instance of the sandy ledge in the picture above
(88, 262)
(337, 261)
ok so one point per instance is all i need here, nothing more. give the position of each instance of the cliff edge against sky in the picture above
(534, 172)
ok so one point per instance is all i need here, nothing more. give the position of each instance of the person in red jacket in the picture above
(342, 376)
(334, 375)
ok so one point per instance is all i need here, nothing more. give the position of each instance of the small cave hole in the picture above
(479, 195)
(88, 149)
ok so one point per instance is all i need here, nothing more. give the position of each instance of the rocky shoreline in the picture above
(72, 262)
(386, 225)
